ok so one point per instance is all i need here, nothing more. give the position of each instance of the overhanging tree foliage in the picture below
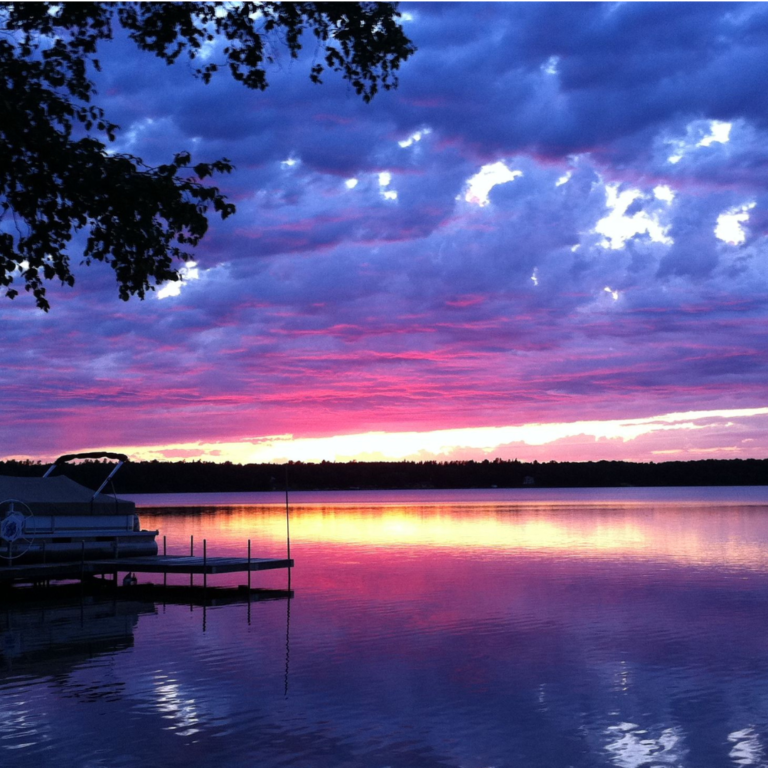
(59, 178)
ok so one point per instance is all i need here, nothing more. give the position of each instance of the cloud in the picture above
(369, 283)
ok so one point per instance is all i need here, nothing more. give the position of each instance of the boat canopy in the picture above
(61, 496)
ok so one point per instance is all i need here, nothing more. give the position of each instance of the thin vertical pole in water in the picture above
(165, 554)
(191, 554)
(287, 527)
(205, 564)
(287, 516)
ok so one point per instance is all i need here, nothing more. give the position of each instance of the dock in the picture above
(162, 565)
(181, 564)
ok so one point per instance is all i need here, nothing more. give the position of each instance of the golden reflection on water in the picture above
(732, 536)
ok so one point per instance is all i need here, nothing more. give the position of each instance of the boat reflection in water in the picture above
(46, 631)
(47, 637)
(67, 650)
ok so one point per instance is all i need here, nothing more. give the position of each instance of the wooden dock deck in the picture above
(159, 564)
(180, 564)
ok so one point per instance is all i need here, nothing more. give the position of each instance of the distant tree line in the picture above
(202, 476)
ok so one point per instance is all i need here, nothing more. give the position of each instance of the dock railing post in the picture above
(249, 567)
(205, 564)
(191, 554)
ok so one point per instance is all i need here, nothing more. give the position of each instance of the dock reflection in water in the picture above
(612, 633)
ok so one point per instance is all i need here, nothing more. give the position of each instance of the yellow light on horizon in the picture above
(442, 444)
(435, 444)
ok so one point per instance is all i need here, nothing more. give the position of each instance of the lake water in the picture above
(497, 628)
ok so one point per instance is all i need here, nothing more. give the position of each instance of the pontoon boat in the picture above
(53, 519)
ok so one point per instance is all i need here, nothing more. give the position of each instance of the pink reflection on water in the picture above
(499, 634)
(331, 540)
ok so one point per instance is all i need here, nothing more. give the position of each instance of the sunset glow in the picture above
(630, 439)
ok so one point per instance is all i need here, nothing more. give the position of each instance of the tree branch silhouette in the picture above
(58, 176)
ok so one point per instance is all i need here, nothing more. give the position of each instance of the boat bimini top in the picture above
(61, 496)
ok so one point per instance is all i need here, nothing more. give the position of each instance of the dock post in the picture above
(205, 565)
(191, 554)
(165, 554)
(249, 567)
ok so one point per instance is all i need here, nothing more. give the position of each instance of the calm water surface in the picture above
(476, 628)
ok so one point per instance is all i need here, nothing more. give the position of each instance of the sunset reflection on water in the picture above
(720, 536)
(603, 635)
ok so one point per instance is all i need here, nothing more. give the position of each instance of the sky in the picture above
(550, 242)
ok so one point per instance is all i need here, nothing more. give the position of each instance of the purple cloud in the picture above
(364, 285)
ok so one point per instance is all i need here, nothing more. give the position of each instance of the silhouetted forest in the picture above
(201, 476)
